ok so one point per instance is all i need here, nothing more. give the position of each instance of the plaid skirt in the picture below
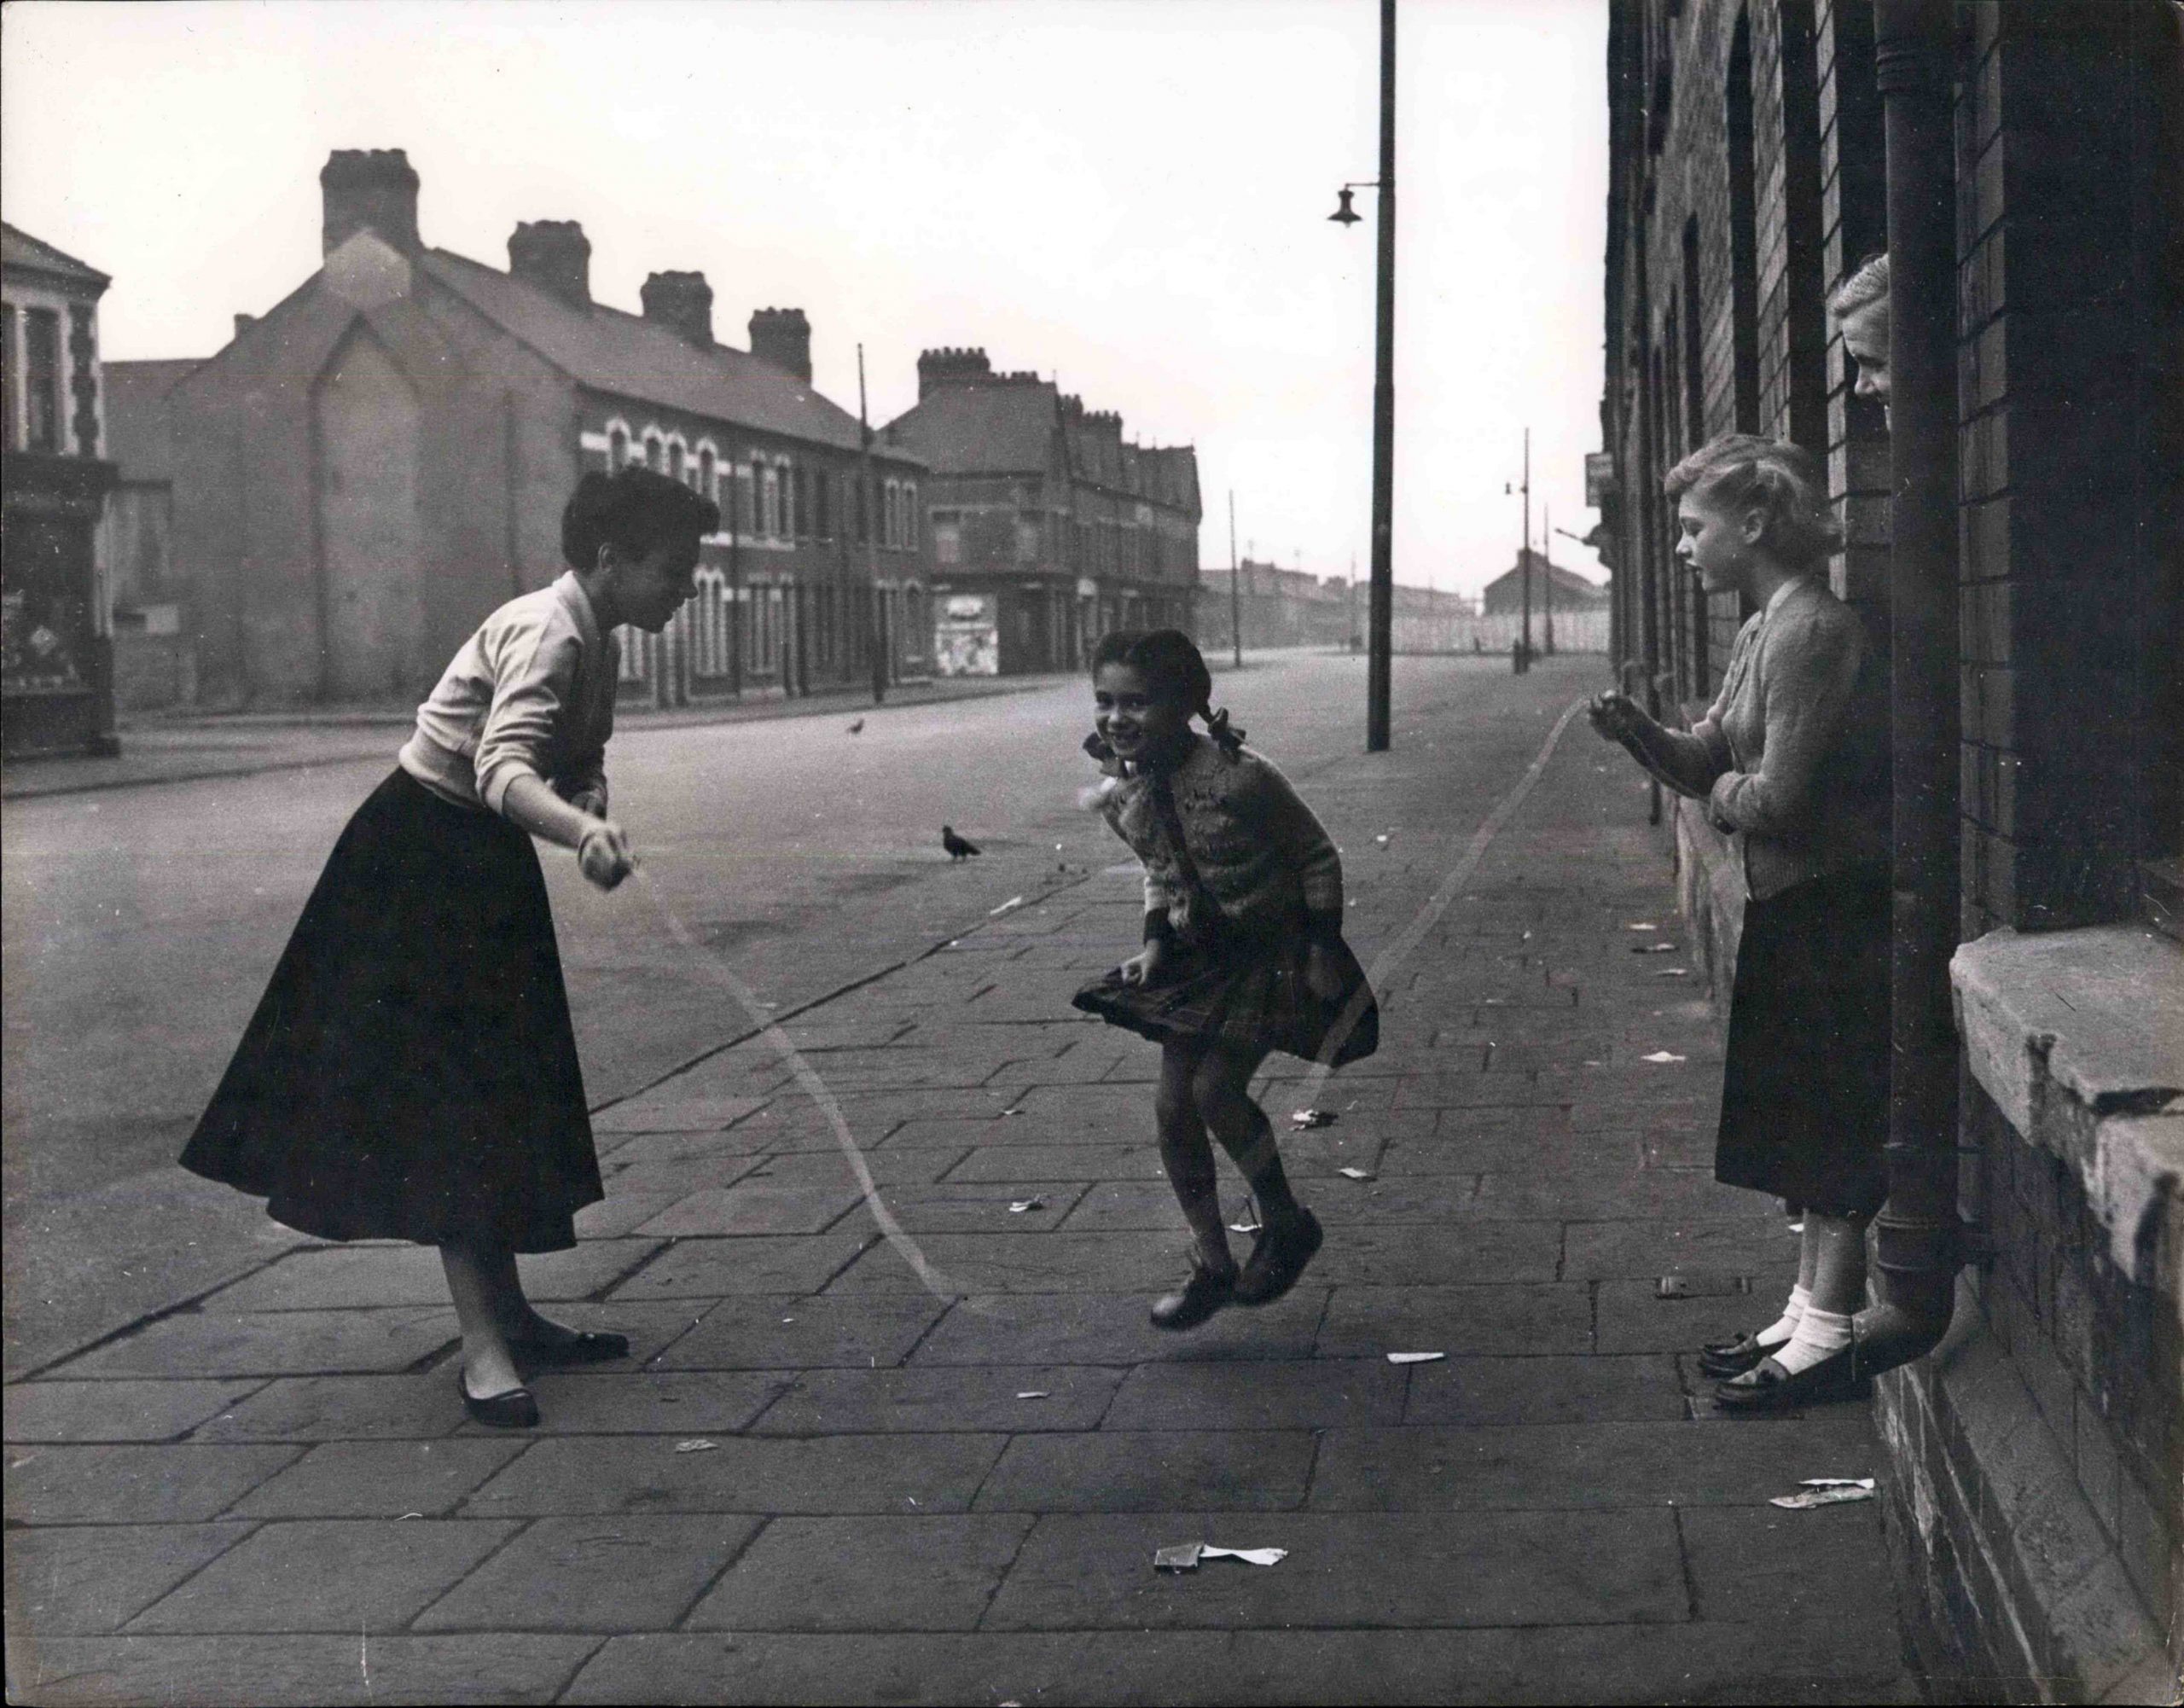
(411, 1072)
(1246, 992)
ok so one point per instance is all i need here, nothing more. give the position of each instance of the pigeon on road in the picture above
(955, 845)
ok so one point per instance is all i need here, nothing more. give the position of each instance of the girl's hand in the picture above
(1322, 977)
(603, 854)
(1616, 715)
(1140, 967)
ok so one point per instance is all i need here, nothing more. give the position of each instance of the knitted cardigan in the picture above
(1261, 855)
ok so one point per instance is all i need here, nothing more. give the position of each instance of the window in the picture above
(632, 653)
(7, 365)
(710, 625)
(769, 518)
(675, 460)
(1744, 228)
(910, 529)
(1695, 360)
(655, 454)
(708, 477)
(861, 508)
(1803, 219)
(799, 506)
(747, 500)
(617, 449)
(42, 379)
(822, 522)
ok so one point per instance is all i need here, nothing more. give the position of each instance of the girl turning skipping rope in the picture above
(410, 1072)
(1243, 952)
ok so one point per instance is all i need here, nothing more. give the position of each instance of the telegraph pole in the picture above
(1377, 668)
(1547, 572)
(1235, 591)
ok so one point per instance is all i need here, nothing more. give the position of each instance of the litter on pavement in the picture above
(1416, 1357)
(1645, 927)
(1184, 1556)
(1652, 948)
(1023, 1204)
(1036, 1394)
(1825, 1492)
(1353, 1174)
(1013, 901)
(1313, 1117)
(1661, 1055)
(695, 1446)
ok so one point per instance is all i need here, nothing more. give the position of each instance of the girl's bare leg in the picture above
(475, 1282)
(1188, 1158)
(1838, 1248)
(1221, 1094)
(518, 1318)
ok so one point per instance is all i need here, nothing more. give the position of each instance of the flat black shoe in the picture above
(1767, 1387)
(581, 1347)
(1723, 1359)
(1203, 1294)
(517, 1408)
(1278, 1257)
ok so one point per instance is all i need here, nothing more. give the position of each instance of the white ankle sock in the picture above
(1779, 1332)
(1820, 1334)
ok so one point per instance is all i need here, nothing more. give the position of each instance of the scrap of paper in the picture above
(1022, 1205)
(1661, 1055)
(1313, 1117)
(1013, 901)
(1184, 1556)
(1825, 1492)
(695, 1446)
(1353, 1174)
(1035, 1394)
(1416, 1357)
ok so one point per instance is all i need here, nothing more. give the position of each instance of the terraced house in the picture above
(1048, 527)
(372, 464)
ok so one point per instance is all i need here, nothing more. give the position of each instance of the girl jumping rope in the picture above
(410, 1072)
(1244, 952)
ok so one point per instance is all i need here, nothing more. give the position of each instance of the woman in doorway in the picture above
(1792, 764)
(410, 1072)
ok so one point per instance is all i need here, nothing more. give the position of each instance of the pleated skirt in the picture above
(1804, 1089)
(411, 1072)
(1246, 992)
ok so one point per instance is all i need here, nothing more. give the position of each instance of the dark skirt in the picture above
(1244, 993)
(411, 1072)
(1805, 1091)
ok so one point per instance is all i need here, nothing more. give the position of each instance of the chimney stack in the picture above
(369, 187)
(244, 322)
(555, 256)
(782, 336)
(684, 303)
(950, 367)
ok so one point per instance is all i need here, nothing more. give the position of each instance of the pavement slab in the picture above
(69, 1579)
(277, 1671)
(283, 1343)
(711, 1269)
(1546, 1390)
(1135, 1471)
(377, 1479)
(792, 1331)
(343, 1277)
(1113, 1328)
(116, 1411)
(1315, 1394)
(753, 1206)
(1537, 1318)
(647, 1402)
(864, 1574)
(931, 1398)
(186, 1484)
(624, 1574)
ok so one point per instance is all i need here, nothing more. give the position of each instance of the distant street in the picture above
(141, 925)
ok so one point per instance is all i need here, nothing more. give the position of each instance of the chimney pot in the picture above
(369, 187)
(684, 303)
(782, 336)
(947, 366)
(554, 256)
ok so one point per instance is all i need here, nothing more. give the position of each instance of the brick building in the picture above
(1280, 607)
(1760, 148)
(56, 681)
(1048, 527)
(1552, 588)
(380, 459)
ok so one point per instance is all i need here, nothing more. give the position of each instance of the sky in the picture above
(1128, 195)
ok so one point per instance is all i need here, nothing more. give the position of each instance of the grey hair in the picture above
(1868, 284)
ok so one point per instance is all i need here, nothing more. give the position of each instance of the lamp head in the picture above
(1345, 214)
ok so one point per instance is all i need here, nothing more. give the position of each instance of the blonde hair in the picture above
(1868, 284)
(1741, 471)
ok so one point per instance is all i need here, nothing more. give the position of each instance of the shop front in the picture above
(56, 651)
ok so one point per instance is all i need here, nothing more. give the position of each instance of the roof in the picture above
(136, 435)
(21, 249)
(1004, 428)
(1564, 580)
(610, 350)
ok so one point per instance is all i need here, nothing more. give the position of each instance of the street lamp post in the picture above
(1235, 589)
(1546, 574)
(1381, 611)
(1521, 657)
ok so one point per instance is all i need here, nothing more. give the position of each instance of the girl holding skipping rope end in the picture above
(410, 1072)
(1244, 952)
(1791, 762)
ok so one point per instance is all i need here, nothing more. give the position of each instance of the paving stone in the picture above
(676, 1180)
(1452, 1469)
(1598, 1250)
(935, 1398)
(964, 1207)
(1367, 1254)
(1617, 1195)
(665, 1110)
(1127, 1471)
(1528, 1318)
(1023, 1263)
(1150, 1203)
(226, 1343)
(1815, 1568)
(619, 1212)
(835, 1473)
(115, 1411)
(647, 1402)
(1300, 1394)
(731, 1153)
(423, 1407)
(1030, 1164)
(1472, 1155)
(711, 1269)
(167, 1484)
(754, 1206)
(378, 1480)
(96, 1578)
(248, 1672)
(847, 1574)
(626, 1573)
(918, 1166)
(340, 1277)
(1562, 1568)
(1113, 1328)
(336, 1575)
(1546, 1390)
(786, 1332)
(1635, 1318)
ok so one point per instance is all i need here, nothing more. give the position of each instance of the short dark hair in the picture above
(636, 511)
(1169, 659)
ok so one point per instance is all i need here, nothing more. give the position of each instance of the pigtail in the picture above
(1229, 741)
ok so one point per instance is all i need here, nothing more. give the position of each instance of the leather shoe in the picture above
(1278, 1257)
(1723, 1359)
(1768, 1387)
(1203, 1294)
(517, 1408)
(580, 1347)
